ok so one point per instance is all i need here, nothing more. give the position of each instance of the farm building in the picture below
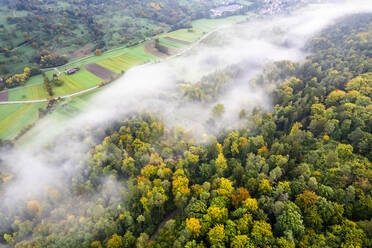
(219, 11)
(72, 71)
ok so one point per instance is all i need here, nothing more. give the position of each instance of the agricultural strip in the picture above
(177, 40)
(17, 117)
(100, 71)
(150, 48)
(33, 92)
(120, 63)
(3, 96)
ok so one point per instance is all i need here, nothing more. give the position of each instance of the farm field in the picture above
(14, 117)
(100, 71)
(121, 63)
(172, 43)
(77, 82)
(32, 92)
(62, 112)
(202, 26)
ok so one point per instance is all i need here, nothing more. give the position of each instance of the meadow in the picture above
(15, 117)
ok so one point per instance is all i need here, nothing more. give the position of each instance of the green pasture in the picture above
(17, 117)
(32, 92)
(171, 44)
(77, 82)
(120, 63)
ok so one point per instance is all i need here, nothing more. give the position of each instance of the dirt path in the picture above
(161, 225)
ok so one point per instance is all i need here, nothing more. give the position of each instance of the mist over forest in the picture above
(256, 135)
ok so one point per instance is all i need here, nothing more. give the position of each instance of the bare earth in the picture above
(100, 71)
(3, 96)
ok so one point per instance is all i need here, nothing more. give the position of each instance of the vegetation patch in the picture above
(18, 117)
(183, 42)
(120, 63)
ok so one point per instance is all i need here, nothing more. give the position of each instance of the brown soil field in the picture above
(100, 71)
(3, 96)
(150, 48)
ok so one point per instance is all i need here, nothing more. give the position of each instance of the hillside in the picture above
(60, 30)
(297, 176)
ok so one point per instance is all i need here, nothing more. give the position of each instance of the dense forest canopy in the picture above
(299, 176)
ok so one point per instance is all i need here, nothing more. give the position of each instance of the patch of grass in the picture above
(169, 43)
(69, 86)
(36, 92)
(38, 79)
(32, 92)
(120, 63)
(8, 109)
(186, 35)
(85, 79)
(17, 94)
(18, 119)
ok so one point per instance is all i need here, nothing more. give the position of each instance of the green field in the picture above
(171, 44)
(202, 26)
(77, 82)
(120, 63)
(13, 118)
(32, 92)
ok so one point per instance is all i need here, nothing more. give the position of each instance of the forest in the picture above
(298, 176)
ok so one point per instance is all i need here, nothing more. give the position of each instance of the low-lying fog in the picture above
(255, 44)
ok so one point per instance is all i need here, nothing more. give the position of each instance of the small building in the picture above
(72, 71)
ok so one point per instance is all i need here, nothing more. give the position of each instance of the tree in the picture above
(221, 164)
(218, 110)
(241, 241)
(180, 188)
(142, 240)
(261, 232)
(115, 241)
(290, 219)
(194, 226)
(251, 204)
(306, 199)
(217, 235)
(34, 207)
(48, 86)
(217, 214)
